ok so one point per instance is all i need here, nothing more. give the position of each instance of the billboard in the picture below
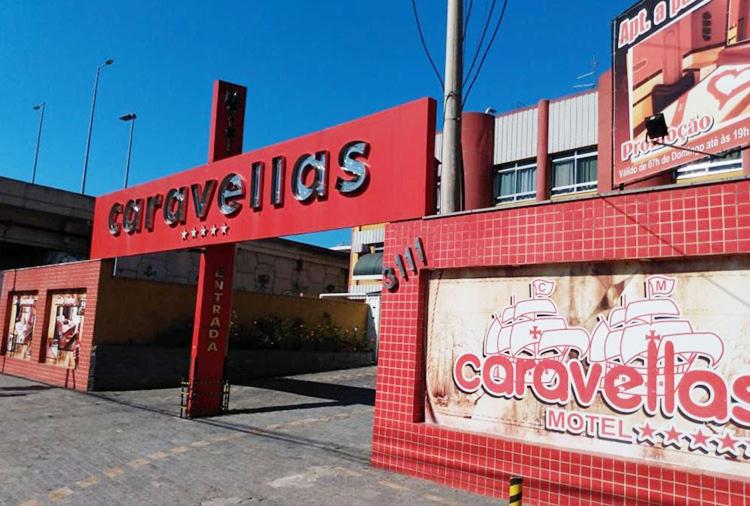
(687, 59)
(649, 361)
(375, 169)
(22, 319)
(66, 318)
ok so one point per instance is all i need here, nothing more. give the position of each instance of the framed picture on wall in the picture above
(22, 319)
(66, 320)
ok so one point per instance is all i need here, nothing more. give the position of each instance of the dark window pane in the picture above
(563, 173)
(586, 170)
(526, 180)
(507, 183)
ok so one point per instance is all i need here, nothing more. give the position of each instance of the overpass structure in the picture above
(42, 225)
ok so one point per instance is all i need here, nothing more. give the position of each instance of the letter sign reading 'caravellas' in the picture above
(376, 169)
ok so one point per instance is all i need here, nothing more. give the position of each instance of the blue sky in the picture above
(307, 65)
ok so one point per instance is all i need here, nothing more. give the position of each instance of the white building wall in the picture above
(515, 135)
(573, 122)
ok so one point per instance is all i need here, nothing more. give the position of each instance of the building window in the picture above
(515, 181)
(710, 166)
(574, 172)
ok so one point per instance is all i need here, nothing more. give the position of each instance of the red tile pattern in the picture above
(671, 223)
(44, 281)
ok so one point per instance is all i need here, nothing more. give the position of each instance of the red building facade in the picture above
(53, 333)
(705, 221)
(588, 332)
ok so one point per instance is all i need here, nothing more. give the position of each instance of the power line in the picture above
(487, 50)
(424, 45)
(466, 25)
(481, 39)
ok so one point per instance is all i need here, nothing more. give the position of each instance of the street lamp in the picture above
(39, 107)
(131, 118)
(91, 123)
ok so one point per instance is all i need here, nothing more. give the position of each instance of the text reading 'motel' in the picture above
(309, 181)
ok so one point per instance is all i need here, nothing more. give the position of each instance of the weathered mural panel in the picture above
(650, 359)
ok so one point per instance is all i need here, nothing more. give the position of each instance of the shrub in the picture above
(277, 333)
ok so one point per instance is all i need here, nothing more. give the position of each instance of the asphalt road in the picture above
(288, 441)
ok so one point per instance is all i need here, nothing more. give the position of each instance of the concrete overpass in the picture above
(42, 225)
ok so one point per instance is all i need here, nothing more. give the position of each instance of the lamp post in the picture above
(91, 123)
(131, 118)
(39, 107)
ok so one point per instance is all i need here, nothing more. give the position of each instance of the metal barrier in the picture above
(515, 491)
(188, 396)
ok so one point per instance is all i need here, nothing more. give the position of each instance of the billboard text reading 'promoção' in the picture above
(372, 170)
(687, 59)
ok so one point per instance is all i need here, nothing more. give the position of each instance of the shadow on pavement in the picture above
(343, 394)
(29, 388)
(288, 407)
(343, 451)
(21, 391)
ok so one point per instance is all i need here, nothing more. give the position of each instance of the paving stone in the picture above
(286, 441)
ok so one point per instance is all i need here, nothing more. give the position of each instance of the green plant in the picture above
(284, 333)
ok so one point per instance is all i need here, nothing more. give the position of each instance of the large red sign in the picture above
(658, 375)
(376, 169)
(686, 59)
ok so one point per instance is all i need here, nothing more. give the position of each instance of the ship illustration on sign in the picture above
(532, 329)
(623, 337)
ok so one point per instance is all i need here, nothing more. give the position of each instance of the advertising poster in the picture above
(687, 59)
(22, 319)
(67, 315)
(648, 361)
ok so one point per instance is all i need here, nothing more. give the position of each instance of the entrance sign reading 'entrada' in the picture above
(371, 170)
(660, 375)
(687, 59)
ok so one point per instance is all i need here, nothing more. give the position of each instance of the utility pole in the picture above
(451, 180)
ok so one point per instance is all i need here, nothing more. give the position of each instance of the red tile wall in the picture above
(677, 222)
(44, 281)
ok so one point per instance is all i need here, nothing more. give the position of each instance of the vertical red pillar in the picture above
(213, 309)
(213, 306)
(542, 150)
(478, 141)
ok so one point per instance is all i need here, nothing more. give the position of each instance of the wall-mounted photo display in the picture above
(67, 315)
(22, 318)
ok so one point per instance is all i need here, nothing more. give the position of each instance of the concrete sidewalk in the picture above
(288, 441)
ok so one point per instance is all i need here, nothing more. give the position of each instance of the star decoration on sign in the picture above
(672, 437)
(194, 233)
(224, 229)
(746, 442)
(214, 229)
(699, 440)
(726, 444)
(646, 433)
(204, 231)
(184, 235)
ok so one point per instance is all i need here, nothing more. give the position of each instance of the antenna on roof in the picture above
(592, 74)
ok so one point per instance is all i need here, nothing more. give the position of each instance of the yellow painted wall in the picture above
(134, 310)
